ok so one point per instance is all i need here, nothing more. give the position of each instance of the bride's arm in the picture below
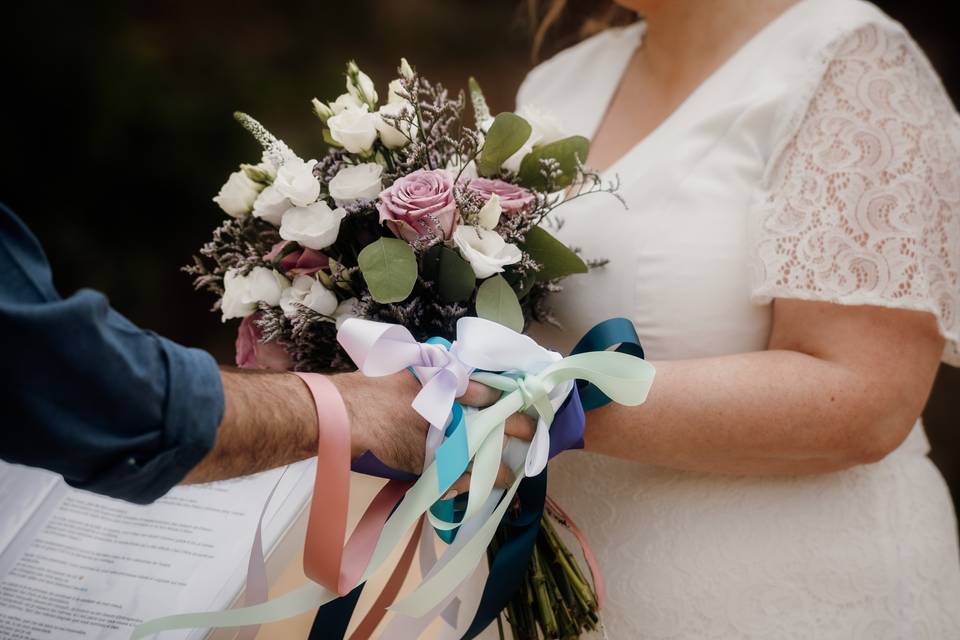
(839, 386)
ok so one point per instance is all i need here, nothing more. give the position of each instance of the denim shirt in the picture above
(84, 392)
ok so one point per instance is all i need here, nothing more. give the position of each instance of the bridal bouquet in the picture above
(415, 217)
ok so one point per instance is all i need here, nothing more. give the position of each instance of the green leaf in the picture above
(389, 267)
(454, 275)
(504, 138)
(496, 301)
(555, 258)
(565, 151)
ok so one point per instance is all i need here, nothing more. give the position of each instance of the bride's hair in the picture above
(567, 21)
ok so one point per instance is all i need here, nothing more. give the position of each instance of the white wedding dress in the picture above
(822, 162)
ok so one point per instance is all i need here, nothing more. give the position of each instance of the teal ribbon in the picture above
(509, 565)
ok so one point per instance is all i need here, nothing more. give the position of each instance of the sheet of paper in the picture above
(93, 567)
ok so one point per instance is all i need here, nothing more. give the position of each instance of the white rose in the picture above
(345, 310)
(309, 292)
(315, 226)
(237, 194)
(242, 293)
(485, 250)
(361, 181)
(345, 102)
(270, 205)
(295, 181)
(394, 137)
(354, 129)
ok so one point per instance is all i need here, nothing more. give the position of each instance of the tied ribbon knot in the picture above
(531, 378)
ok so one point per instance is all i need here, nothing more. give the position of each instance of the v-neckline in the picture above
(636, 32)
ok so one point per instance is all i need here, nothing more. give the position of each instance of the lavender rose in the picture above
(420, 206)
(512, 197)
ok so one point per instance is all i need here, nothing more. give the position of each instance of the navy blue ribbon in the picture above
(521, 526)
(509, 565)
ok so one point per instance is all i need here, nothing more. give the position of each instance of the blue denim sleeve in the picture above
(84, 392)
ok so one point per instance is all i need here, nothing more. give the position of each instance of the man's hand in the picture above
(384, 422)
(270, 420)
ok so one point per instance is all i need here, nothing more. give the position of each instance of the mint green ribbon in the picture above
(623, 378)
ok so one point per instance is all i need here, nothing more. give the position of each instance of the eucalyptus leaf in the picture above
(504, 138)
(565, 151)
(497, 301)
(456, 280)
(555, 258)
(389, 268)
(454, 275)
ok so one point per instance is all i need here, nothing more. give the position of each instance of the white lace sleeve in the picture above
(861, 204)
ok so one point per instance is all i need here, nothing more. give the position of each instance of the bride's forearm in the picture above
(769, 412)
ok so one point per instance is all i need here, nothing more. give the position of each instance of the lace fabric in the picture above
(862, 204)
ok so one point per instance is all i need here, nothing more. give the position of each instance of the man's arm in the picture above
(270, 420)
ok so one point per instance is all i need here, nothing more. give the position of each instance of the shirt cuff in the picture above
(192, 415)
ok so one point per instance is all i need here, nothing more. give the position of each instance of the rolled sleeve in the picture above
(84, 392)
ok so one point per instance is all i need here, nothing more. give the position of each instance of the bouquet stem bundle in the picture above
(555, 599)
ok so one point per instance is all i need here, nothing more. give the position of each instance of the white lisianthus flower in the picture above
(295, 181)
(361, 181)
(270, 205)
(315, 226)
(344, 311)
(395, 92)
(545, 128)
(360, 86)
(485, 250)
(237, 195)
(242, 293)
(354, 129)
(321, 299)
(309, 292)
(405, 69)
(345, 102)
(489, 215)
(512, 164)
(391, 136)
(322, 110)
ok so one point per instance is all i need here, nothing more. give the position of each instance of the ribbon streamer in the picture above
(533, 378)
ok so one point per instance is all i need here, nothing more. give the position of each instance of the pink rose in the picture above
(420, 206)
(512, 197)
(253, 354)
(301, 262)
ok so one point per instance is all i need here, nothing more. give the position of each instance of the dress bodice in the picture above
(820, 162)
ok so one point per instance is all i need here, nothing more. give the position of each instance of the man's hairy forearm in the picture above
(269, 420)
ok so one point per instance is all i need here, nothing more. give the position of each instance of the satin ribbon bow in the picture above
(530, 376)
(380, 349)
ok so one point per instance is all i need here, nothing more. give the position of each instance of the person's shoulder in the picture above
(556, 72)
(830, 25)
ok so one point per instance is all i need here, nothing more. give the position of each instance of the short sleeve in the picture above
(861, 202)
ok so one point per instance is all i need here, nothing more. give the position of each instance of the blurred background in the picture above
(117, 121)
